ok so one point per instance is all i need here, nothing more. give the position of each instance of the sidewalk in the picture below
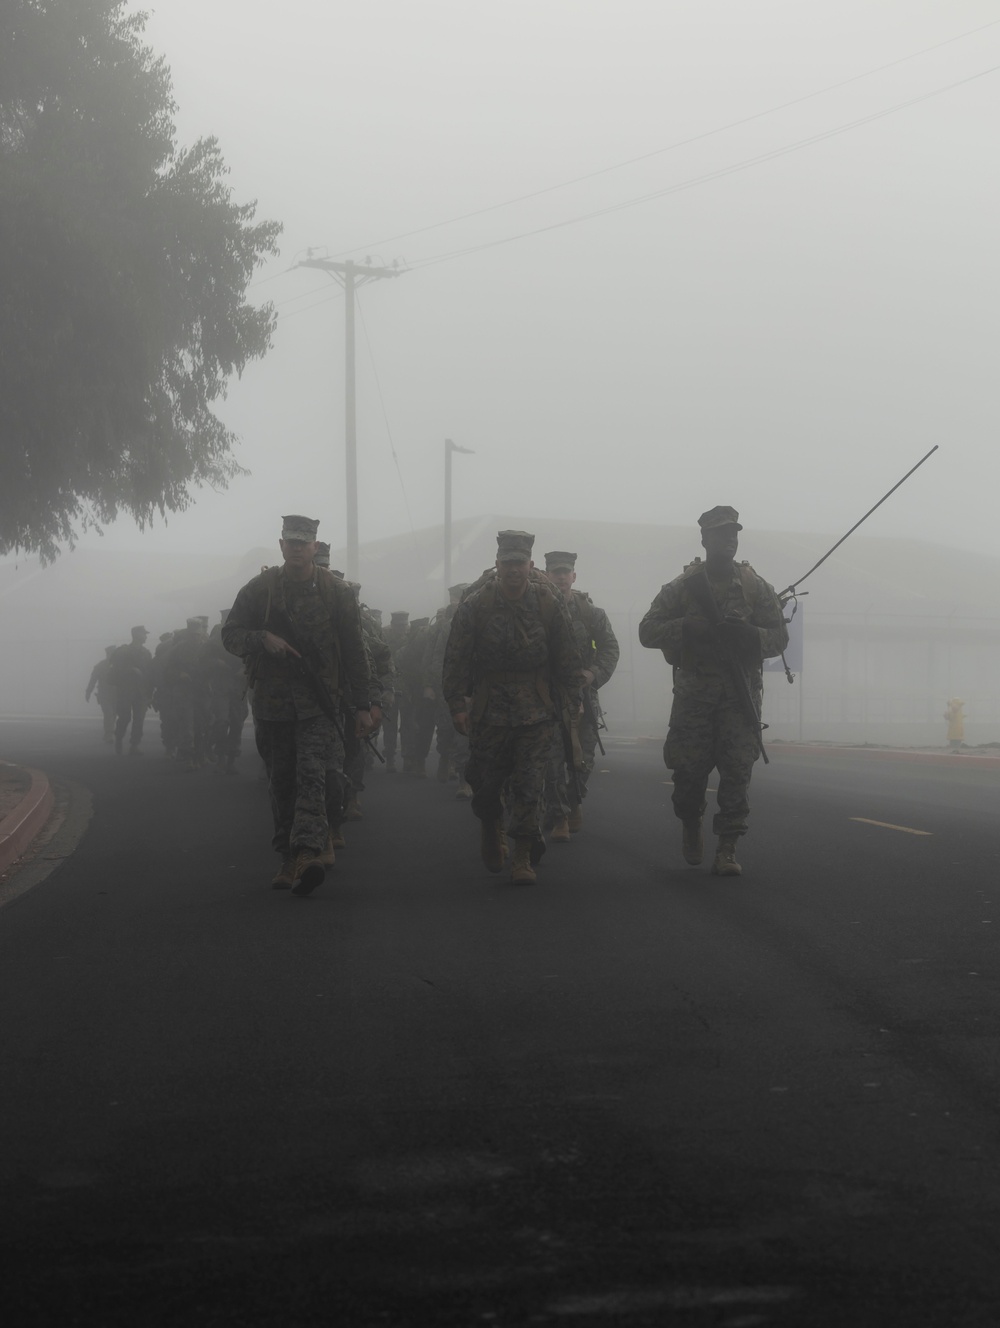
(26, 801)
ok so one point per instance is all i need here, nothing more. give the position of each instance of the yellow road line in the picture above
(887, 825)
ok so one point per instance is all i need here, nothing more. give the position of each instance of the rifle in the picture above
(590, 714)
(311, 669)
(570, 749)
(702, 592)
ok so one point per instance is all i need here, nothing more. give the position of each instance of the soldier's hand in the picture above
(276, 645)
(363, 723)
(739, 634)
(588, 677)
(376, 714)
(461, 722)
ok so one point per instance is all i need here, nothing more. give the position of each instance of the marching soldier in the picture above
(511, 669)
(599, 652)
(715, 623)
(299, 629)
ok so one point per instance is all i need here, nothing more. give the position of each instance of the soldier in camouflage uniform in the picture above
(416, 707)
(381, 680)
(184, 683)
(299, 629)
(599, 651)
(132, 675)
(100, 678)
(510, 665)
(452, 746)
(709, 728)
(227, 699)
(395, 639)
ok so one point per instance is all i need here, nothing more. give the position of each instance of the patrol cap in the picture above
(560, 558)
(399, 616)
(299, 528)
(514, 546)
(377, 615)
(719, 516)
(196, 624)
(455, 592)
(137, 630)
(322, 555)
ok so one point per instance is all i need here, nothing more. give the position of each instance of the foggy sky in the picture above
(788, 338)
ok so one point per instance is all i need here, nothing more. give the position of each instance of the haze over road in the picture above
(632, 1094)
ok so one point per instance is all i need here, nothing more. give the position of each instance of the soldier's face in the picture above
(513, 575)
(298, 554)
(564, 578)
(720, 543)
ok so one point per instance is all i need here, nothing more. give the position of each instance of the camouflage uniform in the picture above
(509, 657)
(358, 755)
(395, 639)
(599, 653)
(226, 698)
(296, 736)
(101, 678)
(452, 747)
(708, 728)
(132, 674)
(416, 710)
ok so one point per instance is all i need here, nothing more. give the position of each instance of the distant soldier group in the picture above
(508, 675)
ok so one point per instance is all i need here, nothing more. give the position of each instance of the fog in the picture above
(653, 257)
(804, 307)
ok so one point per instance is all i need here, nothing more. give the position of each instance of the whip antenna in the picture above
(790, 590)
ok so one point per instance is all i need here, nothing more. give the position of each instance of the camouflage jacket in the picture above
(132, 673)
(323, 617)
(743, 594)
(595, 638)
(508, 655)
(381, 671)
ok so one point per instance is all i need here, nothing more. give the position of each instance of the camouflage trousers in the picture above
(296, 754)
(451, 744)
(507, 767)
(559, 800)
(707, 731)
(390, 731)
(130, 711)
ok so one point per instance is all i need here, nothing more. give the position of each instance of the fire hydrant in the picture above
(956, 722)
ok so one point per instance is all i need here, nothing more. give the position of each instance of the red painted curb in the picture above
(19, 827)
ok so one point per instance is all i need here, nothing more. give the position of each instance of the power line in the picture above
(692, 182)
(385, 416)
(673, 147)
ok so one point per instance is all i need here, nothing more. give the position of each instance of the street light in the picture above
(449, 447)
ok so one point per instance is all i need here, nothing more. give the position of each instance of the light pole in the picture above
(449, 447)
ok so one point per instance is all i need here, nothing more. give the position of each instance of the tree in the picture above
(124, 265)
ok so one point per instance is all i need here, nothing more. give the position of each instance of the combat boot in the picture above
(352, 812)
(693, 843)
(576, 819)
(521, 870)
(464, 790)
(559, 834)
(285, 878)
(309, 871)
(725, 863)
(327, 857)
(491, 846)
(337, 839)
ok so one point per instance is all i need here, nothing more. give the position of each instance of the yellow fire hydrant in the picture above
(956, 722)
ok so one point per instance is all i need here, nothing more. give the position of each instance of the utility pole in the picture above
(449, 447)
(350, 275)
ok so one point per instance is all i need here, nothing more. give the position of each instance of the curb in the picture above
(19, 827)
(970, 760)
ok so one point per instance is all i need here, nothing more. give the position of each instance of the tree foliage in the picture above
(124, 265)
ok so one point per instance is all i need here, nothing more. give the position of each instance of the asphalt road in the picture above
(631, 1094)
